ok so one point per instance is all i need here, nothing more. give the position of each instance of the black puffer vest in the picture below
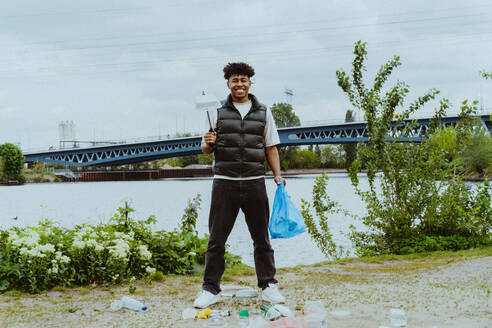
(240, 144)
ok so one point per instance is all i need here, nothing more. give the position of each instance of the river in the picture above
(91, 202)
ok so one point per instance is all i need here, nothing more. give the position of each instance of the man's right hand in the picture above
(210, 137)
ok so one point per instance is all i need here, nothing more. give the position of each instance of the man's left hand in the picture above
(279, 179)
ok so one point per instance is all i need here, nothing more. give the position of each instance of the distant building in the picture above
(66, 133)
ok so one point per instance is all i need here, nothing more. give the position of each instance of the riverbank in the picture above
(32, 177)
(449, 289)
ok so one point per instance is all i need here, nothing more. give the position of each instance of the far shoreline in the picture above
(288, 174)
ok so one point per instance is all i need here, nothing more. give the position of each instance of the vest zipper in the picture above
(242, 148)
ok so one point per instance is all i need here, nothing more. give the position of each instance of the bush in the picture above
(33, 259)
(476, 156)
(13, 162)
(2, 167)
(418, 196)
(318, 227)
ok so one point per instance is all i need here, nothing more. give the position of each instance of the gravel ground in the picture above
(432, 292)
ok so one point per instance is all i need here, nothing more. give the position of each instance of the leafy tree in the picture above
(329, 157)
(284, 115)
(13, 162)
(306, 159)
(477, 154)
(473, 154)
(2, 167)
(350, 149)
(414, 205)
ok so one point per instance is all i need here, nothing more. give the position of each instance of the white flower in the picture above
(30, 239)
(91, 243)
(120, 249)
(78, 244)
(150, 270)
(46, 248)
(13, 236)
(64, 259)
(144, 252)
(99, 248)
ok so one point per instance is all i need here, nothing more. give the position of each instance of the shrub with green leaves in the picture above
(12, 163)
(417, 202)
(317, 226)
(38, 258)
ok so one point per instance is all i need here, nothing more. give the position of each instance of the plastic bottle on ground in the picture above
(219, 313)
(128, 303)
(189, 313)
(243, 318)
(269, 312)
(245, 293)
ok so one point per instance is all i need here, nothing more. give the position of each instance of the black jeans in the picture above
(228, 197)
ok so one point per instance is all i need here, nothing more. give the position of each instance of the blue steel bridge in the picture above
(127, 153)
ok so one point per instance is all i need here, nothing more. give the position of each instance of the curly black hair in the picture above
(238, 68)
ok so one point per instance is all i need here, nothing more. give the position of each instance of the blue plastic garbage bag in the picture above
(286, 221)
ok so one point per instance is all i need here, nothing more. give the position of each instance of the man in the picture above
(245, 131)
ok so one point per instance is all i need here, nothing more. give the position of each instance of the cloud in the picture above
(128, 69)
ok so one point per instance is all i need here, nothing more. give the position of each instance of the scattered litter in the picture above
(245, 293)
(243, 318)
(244, 313)
(128, 303)
(397, 318)
(269, 312)
(284, 311)
(219, 313)
(238, 291)
(190, 313)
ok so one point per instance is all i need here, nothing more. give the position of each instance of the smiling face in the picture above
(239, 85)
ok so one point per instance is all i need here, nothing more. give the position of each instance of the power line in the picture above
(247, 35)
(283, 53)
(262, 27)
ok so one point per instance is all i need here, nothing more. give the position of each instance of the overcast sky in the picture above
(126, 69)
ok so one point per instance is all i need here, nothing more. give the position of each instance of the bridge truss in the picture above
(121, 154)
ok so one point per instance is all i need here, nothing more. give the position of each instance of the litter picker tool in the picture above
(207, 102)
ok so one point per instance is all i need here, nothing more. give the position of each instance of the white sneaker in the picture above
(272, 295)
(205, 299)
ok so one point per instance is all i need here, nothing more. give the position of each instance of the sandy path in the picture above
(433, 293)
